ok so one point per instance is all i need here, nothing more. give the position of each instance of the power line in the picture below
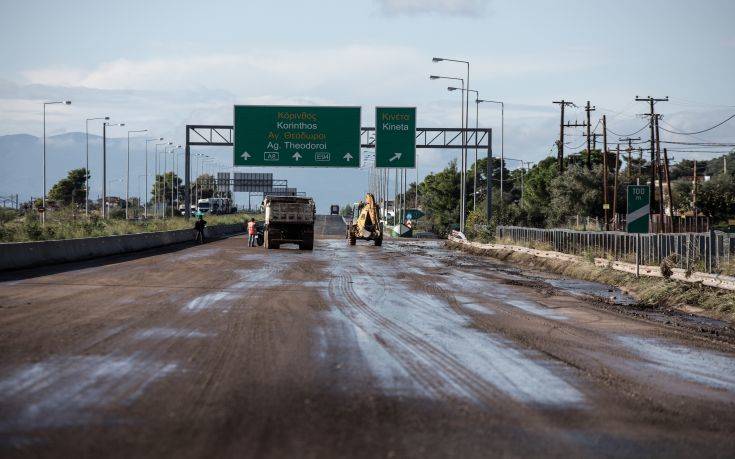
(700, 144)
(628, 135)
(703, 130)
(713, 152)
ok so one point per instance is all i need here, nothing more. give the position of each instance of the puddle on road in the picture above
(207, 301)
(696, 365)
(536, 309)
(167, 333)
(201, 253)
(595, 289)
(471, 305)
(68, 391)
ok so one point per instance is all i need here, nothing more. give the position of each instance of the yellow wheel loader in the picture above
(366, 225)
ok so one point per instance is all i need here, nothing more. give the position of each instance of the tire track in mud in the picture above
(432, 355)
(457, 376)
(585, 356)
(579, 334)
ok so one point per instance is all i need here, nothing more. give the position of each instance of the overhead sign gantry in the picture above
(343, 135)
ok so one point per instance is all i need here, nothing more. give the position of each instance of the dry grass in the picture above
(65, 224)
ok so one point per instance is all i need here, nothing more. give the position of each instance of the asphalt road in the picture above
(405, 350)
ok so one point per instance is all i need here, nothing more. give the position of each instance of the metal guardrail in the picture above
(711, 252)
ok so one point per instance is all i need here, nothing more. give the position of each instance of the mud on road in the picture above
(407, 350)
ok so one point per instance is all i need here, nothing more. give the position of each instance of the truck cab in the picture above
(289, 220)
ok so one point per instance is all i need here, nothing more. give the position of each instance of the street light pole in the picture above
(65, 102)
(466, 123)
(462, 156)
(155, 183)
(104, 165)
(86, 178)
(127, 173)
(477, 125)
(502, 141)
(173, 167)
(145, 205)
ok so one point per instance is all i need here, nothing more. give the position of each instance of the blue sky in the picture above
(162, 64)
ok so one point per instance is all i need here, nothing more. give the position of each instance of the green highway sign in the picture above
(395, 137)
(639, 208)
(295, 136)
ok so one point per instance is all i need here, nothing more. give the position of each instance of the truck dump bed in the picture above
(288, 209)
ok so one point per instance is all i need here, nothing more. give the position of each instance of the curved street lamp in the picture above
(105, 125)
(65, 102)
(86, 179)
(127, 172)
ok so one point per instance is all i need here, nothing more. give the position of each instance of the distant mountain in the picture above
(22, 159)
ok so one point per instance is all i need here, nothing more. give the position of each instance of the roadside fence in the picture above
(711, 252)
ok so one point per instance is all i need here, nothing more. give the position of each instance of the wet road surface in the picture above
(405, 350)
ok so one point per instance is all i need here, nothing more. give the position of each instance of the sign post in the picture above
(637, 220)
(395, 137)
(295, 136)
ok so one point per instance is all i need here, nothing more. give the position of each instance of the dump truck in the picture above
(366, 224)
(289, 220)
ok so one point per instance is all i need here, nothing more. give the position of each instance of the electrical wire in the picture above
(699, 132)
(578, 146)
(700, 144)
(628, 135)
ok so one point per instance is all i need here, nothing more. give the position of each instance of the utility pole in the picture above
(668, 189)
(615, 187)
(640, 164)
(659, 173)
(651, 101)
(589, 109)
(605, 204)
(630, 149)
(575, 124)
(560, 143)
(694, 194)
(594, 136)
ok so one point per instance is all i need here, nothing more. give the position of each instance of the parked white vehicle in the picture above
(215, 206)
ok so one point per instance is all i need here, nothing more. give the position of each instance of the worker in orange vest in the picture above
(252, 233)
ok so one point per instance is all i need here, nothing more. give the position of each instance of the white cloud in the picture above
(258, 72)
(442, 7)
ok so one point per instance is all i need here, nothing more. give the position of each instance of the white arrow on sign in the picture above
(395, 156)
(245, 155)
(347, 156)
(296, 156)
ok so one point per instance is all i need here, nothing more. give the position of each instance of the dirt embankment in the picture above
(658, 293)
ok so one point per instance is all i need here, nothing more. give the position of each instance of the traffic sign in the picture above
(395, 137)
(413, 214)
(296, 136)
(639, 208)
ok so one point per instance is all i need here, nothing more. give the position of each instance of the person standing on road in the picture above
(252, 233)
(199, 227)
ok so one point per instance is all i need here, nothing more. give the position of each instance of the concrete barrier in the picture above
(17, 255)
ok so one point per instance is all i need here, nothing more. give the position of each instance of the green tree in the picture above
(204, 185)
(716, 198)
(164, 187)
(71, 188)
(440, 195)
